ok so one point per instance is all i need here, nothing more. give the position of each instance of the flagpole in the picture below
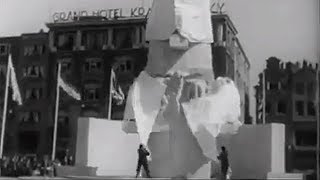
(318, 122)
(54, 143)
(4, 115)
(263, 97)
(110, 95)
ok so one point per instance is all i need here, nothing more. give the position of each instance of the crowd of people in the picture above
(31, 165)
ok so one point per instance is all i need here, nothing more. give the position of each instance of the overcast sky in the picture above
(288, 29)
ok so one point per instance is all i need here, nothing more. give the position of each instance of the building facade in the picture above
(230, 60)
(290, 94)
(88, 49)
(27, 124)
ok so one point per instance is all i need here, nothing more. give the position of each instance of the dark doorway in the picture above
(28, 142)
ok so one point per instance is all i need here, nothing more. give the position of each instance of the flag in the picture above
(16, 96)
(116, 91)
(68, 89)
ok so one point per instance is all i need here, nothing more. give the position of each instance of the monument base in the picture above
(255, 152)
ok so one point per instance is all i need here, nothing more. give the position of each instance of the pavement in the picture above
(79, 178)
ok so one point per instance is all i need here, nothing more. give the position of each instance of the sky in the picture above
(287, 29)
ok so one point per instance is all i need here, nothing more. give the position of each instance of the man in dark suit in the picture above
(223, 157)
(142, 161)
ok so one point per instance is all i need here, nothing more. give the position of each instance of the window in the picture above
(268, 107)
(30, 117)
(282, 107)
(33, 71)
(3, 49)
(42, 49)
(92, 92)
(274, 86)
(94, 40)
(305, 138)
(123, 64)
(33, 93)
(93, 64)
(65, 41)
(279, 85)
(300, 88)
(311, 89)
(3, 70)
(268, 85)
(65, 65)
(28, 50)
(123, 38)
(311, 109)
(300, 108)
(34, 50)
(63, 120)
(63, 126)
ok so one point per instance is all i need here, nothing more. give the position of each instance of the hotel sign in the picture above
(106, 13)
(216, 6)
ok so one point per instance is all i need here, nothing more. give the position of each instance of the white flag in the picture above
(116, 90)
(68, 89)
(16, 96)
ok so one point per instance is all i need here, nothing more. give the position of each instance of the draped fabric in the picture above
(191, 19)
(16, 96)
(144, 103)
(216, 113)
(68, 89)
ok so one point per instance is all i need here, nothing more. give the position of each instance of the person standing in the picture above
(223, 157)
(142, 161)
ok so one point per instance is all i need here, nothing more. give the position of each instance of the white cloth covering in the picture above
(215, 113)
(144, 103)
(161, 22)
(223, 107)
(163, 60)
(191, 18)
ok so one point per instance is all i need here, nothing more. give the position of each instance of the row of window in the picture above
(96, 64)
(273, 86)
(30, 117)
(305, 138)
(28, 71)
(33, 93)
(35, 71)
(281, 107)
(34, 118)
(91, 65)
(34, 50)
(300, 87)
(120, 38)
(299, 108)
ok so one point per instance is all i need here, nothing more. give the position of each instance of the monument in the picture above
(178, 106)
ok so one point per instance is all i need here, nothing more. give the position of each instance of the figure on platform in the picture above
(67, 160)
(223, 157)
(142, 161)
